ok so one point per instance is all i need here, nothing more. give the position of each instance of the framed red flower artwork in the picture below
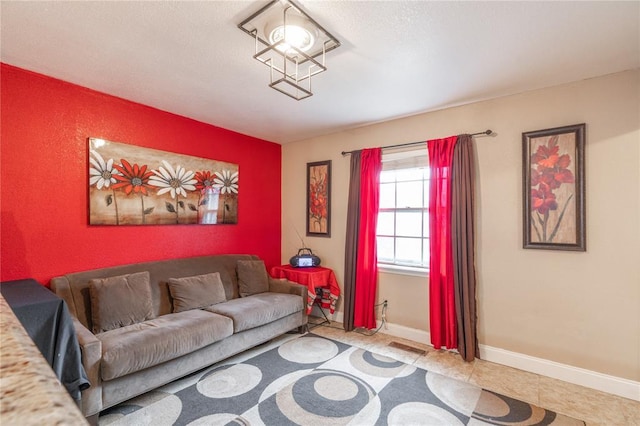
(553, 188)
(319, 199)
(132, 185)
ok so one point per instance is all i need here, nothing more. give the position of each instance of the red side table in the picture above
(316, 277)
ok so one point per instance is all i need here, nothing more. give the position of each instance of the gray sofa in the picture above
(165, 339)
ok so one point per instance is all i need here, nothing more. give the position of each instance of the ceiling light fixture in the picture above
(291, 43)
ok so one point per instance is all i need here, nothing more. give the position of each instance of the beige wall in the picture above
(581, 309)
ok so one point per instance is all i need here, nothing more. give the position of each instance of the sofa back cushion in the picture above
(74, 287)
(120, 301)
(252, 277)
(196, 292)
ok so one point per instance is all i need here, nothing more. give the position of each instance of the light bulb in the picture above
(292, 35)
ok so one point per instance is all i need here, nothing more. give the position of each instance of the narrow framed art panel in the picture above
(131, 185)
(319, 199)
(554, 189)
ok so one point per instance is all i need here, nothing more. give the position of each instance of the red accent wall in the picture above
(44, 229)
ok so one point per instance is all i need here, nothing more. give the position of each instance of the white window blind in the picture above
(403, 217)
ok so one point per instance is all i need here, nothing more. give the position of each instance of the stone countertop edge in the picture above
(30, 393)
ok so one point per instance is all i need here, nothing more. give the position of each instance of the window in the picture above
(403, 217)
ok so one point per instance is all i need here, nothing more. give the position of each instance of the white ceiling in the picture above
(397, 58)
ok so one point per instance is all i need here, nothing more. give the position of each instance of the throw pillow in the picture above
(252, 277)
(196, 292)
(120, 301)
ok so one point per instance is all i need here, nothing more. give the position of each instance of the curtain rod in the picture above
(486, 132)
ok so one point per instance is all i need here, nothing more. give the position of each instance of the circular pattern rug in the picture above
(310, 380)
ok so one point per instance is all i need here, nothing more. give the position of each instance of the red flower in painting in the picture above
(547, 156)
(133, 178)
(204, 180)
(543, 199)
(549, 170)
(549, 167)
(318, 200)
(536, 177)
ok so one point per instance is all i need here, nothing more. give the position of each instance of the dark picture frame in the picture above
(554, 189)
(318, 215)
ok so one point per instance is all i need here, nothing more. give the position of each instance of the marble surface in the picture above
(30, 393)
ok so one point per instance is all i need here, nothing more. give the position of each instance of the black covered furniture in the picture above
(47, 321)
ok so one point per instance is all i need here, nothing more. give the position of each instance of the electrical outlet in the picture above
(385, 303)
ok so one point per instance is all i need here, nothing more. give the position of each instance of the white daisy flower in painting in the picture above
(102, 173)
(177, 182)
(226, 181)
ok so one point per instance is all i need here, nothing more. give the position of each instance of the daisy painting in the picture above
(130, 185)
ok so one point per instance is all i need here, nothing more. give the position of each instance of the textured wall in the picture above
(44, 229)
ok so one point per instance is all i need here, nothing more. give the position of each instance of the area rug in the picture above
(311, 380)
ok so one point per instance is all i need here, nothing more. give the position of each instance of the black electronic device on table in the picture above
(304, 259)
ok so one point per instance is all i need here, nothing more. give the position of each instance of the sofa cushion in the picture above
(120, 301)
(252, 277)
(259, 309)
(139, 346)
(196, 292)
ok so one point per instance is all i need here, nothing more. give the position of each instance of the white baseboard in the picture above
(394, 329)
(568, 373)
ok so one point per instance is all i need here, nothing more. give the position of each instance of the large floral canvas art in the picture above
(131, 185)
(319, 199)
(553, 188)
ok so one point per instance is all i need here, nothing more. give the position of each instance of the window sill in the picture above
(403, 270)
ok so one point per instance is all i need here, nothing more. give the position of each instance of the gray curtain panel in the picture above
(462, 234)
(351, 245)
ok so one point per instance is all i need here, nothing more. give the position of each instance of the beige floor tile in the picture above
(350, 338)
(506, 381)
(446, 363)
(631, 411)
(328, 332)
(590, 405)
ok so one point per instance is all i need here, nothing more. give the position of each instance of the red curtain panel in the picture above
(442, 308)
(367, 260)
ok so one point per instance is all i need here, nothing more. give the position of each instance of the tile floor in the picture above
(592, 406)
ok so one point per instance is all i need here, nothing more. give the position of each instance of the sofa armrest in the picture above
(91, 349)
(286, 286)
